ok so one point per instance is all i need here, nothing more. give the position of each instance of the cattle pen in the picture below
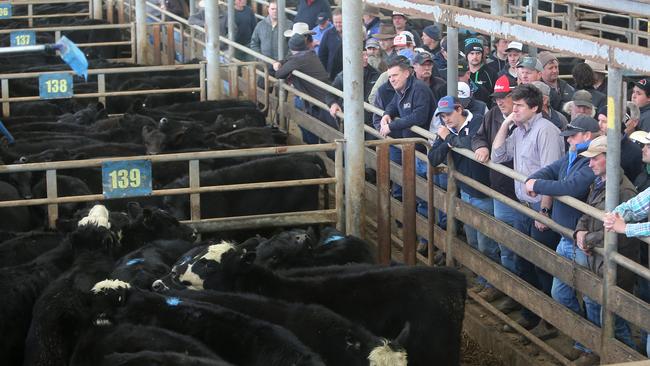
(161, 41)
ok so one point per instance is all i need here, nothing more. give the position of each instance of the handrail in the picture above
(69, 27)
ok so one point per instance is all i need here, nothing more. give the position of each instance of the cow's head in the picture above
(391, 353)
(209, 267)
(280, 250)
(108, 296)
(93, 233)
(151, 223)
(153, 139)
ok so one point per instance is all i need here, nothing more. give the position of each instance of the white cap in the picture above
(514, 45)
(464, 92)
(298, 28)
(640, 136)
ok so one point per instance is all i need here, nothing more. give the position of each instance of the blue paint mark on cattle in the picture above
(134, 261)
(173, 301)
(332, 238)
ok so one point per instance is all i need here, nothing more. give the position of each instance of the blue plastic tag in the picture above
(134, 261)
(332, 239)
(5, 11)
(53, 86)
(173, 301)
(126, 178)
(22, 38)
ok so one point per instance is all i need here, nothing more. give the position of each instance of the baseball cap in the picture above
(297, 42)
(322, 16)
(433, 31)
(581, 123)
(298, 28)
(503, 87)
(463, 67)
(403, 39)
(529, 62)
(372, 43)
(641, 136)
(422, 57)
(408, 53)
(582, 98)
(596, 146)
(399, 13)
(644, 84)
(447, 104)
(464, 93)
(545, 57)
(543, 87)
(514, 45)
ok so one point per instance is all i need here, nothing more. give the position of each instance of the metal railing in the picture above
(31, 16)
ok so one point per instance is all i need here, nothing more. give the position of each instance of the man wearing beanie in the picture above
(304, 60)
(481, 77)
(431, 37)
(561, 91)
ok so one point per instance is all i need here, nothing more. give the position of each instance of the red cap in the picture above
(502, 87)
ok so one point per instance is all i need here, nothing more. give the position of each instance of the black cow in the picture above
(255, 201)
(237, 338)
(66, 186)
(159, 358)
(336, 339)
(13, 218)
(27, 246)
(431, 299)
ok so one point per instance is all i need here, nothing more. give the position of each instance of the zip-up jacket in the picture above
(413, 107)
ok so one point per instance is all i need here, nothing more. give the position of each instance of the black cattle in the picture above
(250, 137)
(100, 341)
(237, 338)
(159, 359)
(160, 100)
(255, 201)
(333, 270)
(228, 124)
(431, 299)
(336, 339)
(86, 115)
(66, 186)
(297, 248)
(27, 246)
(13, 218)
(143, 266)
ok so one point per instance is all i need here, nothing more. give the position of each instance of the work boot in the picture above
(544, 331)
(574, 354)
(508, 306)
(587, 359)
(523, 322)
(490, 294)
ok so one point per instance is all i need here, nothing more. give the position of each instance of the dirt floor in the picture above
(473, 355)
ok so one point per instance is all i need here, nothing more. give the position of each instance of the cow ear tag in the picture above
(173, 301)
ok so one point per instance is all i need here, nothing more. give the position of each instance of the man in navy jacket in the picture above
(330, 51)
(308, 10)
(568, 176)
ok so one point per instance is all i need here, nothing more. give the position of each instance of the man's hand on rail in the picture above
(443, 132)
(614, 222)
(482, 154)
(335, 108)
(384, 130)
(580, 242)
(530, 184)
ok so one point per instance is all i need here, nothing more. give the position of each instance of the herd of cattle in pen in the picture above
(125, 283)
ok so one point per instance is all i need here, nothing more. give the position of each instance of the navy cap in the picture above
(297, 43)
(422, 57)
(323, 16)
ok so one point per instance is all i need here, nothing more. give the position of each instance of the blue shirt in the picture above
(318, 34)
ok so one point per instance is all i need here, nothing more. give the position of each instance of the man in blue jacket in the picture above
(568, 176)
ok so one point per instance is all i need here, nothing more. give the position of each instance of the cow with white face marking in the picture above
(431, 299)
(237, 338)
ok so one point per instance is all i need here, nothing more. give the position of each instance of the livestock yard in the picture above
(315, 182)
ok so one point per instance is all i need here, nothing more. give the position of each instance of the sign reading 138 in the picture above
(126, 178)
(58, 85)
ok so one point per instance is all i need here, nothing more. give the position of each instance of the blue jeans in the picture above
(441, 181)
(506, 214)
(643, 292)
(477, 239)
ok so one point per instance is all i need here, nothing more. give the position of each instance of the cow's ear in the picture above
(248, 258)
(403, 336)
(134, 210)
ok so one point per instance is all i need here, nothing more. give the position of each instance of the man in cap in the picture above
(376, 56)
(404, 41)
(589, 234)
(265, 36)
(308, 10)
(426, 71)
(534, 143)
(642, 181)
(600, 75)
(529, 69)
(400, 22)
(385, 37)
(567, 176)
(305, 60)
(331, 46)
(583, 77)
(580, 105)
(477, 107)
(631, 154)
(459, 126)
(482, 145)
(371, 20)
(481, 77)
(498, 59)
(513, 54)
(431, 37)
(319, 30)
(641, 97)
(561, 91)
(558, 119)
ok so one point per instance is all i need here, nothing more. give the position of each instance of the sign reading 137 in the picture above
(22, 38)
(126, 178)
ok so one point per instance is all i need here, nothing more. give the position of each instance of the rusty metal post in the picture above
(171, 44)
(141, 31)
(110, 14)
(30, 14)
(615, 108)
(570, 18)
(408, 203)
(156, 59)
(52, 192)
(339, 172)
(212, 49)
(353, 115)
(452, 61)
(383, 205)
(531, 17)
(452, 191)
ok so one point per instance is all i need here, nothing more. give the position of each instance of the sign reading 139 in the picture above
(126, 178)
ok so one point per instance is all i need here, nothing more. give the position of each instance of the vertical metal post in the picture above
(282, 94)
(531, 17)
(195, 198)
(452, 191)
(615, 108)
(101, 87)
(408, 203)
(571, 17)
(5, 95)
(192, 7)
(212, 49)
(231, 28)
(52, 192)
(496, 8)
(353, 115)
(452, 61)
(383, 205)
(30, 14)
(97, 9)
(141, 31)
(202, 82)
(110, 15)
(339, 172)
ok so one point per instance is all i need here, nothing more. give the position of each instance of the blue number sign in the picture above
(126, 178)
(22, 38)
(5, 11)
(52, 86)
